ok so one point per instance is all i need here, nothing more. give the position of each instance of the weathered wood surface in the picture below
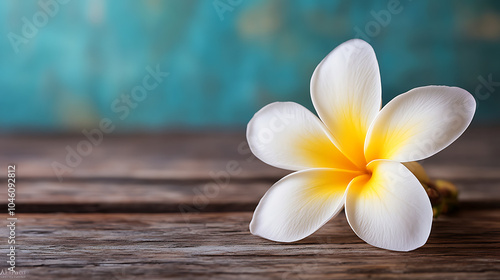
(187, 157)
(219, 246)
(198, 196)
(164, 172)
(157, 206)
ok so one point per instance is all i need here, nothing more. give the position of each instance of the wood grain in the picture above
(133, 196)
(178, 206)
(219, 245)
(194, 157)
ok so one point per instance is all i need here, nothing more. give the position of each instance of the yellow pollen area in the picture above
(385, 144)
(347, 153)
(320, 152)
(369, 185)
(350, 132)
(365, 186)
(346, 156)
(358, 183)
(325, 183)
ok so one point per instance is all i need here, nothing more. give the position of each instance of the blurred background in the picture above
(67, 64)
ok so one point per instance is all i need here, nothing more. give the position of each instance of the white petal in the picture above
(347, 94)
(287, 135)
(417, 124)
(300, 203)
(389, 209)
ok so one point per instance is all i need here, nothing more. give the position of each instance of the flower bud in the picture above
(449, 194)
(447, 189)
(442, 194)
(418, 171)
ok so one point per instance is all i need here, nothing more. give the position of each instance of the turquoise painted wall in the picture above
(66, 64)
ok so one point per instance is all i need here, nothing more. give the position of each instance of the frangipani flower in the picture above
(352, 155)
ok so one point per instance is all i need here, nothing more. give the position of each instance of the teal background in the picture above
(228, 58)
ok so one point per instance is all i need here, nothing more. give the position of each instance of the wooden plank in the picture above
(162, 156)
(196, 156)
(219, 246)
(132, 196)
(135, 197)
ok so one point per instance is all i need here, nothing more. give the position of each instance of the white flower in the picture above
(353, 155)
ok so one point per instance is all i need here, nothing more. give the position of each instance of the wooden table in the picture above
(156, 206)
